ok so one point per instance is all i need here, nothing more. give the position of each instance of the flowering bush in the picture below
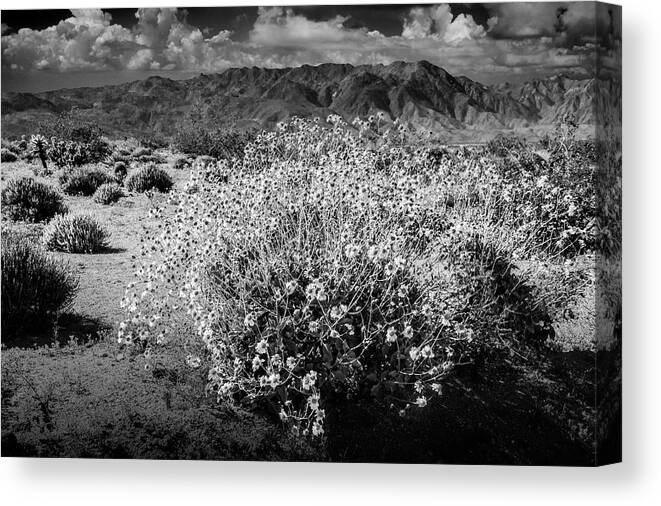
(29, 200)
(331, 263)
(35, 287)
(75, 234)
(108, 193)
(148, 178)
(306, 270)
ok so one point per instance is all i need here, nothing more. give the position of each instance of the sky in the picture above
(494, 42)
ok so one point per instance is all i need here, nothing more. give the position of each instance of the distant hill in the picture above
(419, 94)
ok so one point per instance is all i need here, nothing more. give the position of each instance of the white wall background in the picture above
(637, 481)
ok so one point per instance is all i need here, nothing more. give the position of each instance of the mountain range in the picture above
(419, 94)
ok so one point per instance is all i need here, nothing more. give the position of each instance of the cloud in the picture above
(568, 23)
(438, 23)
(521, 37)
(279, 27)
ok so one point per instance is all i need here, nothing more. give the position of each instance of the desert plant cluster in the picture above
(329, 264)
(325, 264)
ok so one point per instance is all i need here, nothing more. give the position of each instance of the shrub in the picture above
(148, 177)
(153, 158)
(181, 163)
(75, 234)
(108, 193)
(16, 146)
(153, 141)
(66, 153)
(308, 280)
(221, 143)
(7, 156)
(29, 200)
(82, 181)
(35, 287)
(142, 151)
(119, 170)
(70, 134)
(503, 145)
(323, 267)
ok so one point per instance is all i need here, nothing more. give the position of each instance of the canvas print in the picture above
(332, 233)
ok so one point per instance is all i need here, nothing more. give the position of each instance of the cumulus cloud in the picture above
(437, 22)
(161, 39)
(279, 27)
(516, 37)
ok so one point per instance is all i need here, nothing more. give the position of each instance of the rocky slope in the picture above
(420, 94)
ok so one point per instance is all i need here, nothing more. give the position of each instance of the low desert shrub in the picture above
(181, 163)
(66, 153)
(108, 193)
(17, 146)
(35, 286)
(221, 143)
(73, 141)
(7, 156)
(29, 200)
(148, 178)
(82, 181)
(153, 158)
(120, 170)
(75, 234)
(141, 151)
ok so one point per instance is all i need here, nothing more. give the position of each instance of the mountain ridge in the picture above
(420, 94)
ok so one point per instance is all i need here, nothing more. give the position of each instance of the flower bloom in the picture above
(262, 346)
(249, 321)
(193, 362)
(309, 380)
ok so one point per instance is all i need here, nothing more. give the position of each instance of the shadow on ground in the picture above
(70, 326)
(501, 416)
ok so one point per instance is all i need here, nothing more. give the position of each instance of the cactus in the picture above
(38, 146)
